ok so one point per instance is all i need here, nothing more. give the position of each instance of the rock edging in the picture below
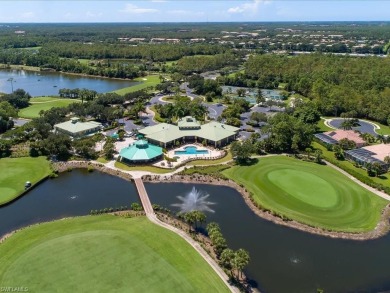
(382, 228)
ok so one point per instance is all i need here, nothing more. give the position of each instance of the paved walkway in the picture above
(153, 218)
(369, 188)
(198, 248)
(143, 195)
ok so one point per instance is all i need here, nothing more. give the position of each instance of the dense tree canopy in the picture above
(286, 133)
(336, 84)
(18, 99)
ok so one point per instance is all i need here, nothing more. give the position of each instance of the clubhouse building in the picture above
(77, 129)
(140, 152)
(188, 129)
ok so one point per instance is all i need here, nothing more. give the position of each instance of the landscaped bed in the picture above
(104, 253)
(313, 194)
(16, 171)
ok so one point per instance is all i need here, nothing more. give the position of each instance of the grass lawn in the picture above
(310, 193)
(147, 81)
(16, 171)
(384, 129)
(157, 116)
(104, 254)
(322, 127)
(384, 179)
(170, 63)
(233, 74)
(168, 99)
(44, 103)
(102, 160)
(142, 168)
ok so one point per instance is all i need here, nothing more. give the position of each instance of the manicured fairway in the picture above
(310, 193)
(147, 81)
(104, 254)
(44, 103)
(14, 172)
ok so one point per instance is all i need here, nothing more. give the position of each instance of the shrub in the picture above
(135, 206)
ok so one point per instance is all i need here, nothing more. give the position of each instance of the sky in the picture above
(17, 11)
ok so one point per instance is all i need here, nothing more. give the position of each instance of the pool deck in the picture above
(213, 153)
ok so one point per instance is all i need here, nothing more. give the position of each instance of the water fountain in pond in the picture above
(194, 200)
(295, 260)
(73, 197)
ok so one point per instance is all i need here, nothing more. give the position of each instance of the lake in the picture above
(49, 83)
(282, 259)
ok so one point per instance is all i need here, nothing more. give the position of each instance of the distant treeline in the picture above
(39, 34)
(357, 86)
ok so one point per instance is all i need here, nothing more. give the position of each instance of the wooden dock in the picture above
(143, 195)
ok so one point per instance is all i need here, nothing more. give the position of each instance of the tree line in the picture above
(336, 84)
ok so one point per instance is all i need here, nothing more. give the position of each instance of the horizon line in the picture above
(198, 22)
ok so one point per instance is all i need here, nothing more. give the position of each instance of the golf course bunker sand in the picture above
(311, 189)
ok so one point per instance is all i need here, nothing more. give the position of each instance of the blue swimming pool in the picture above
(191, 150)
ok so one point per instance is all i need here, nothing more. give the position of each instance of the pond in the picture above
(282, 259)
(49, 83)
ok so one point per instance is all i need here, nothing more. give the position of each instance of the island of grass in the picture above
(16, 171)
(104, 254)
(44, 104)
(313, 194)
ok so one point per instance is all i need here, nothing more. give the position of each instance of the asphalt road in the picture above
(215, 110)
(363, 127)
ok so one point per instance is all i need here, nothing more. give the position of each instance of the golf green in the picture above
(310, 193)
(104, 254)
(16, 171)
(325, 194)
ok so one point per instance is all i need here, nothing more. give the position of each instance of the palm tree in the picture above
(338, 152)
(318, 156)
(190, 219)
(270, 103)
(241, 260)
(226, 259)
(308, 152)
(347, 124)
(259, 97)
(219, 244)
(381, 138)
(377, 168)
(199, 217)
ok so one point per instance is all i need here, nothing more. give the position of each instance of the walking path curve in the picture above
(153, 218)
(369, 188)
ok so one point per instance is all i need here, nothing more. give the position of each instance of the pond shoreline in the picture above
(50, 70)
(381, 229)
